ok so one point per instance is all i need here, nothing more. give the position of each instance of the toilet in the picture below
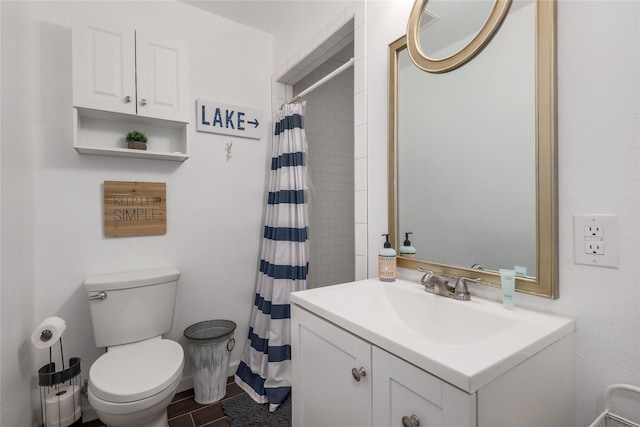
(133, 383)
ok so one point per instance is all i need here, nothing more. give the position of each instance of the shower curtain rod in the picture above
(323, 80)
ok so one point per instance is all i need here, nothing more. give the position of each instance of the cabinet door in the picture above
(324, 391)
(162, 78)
(403, 390)
(103, 66)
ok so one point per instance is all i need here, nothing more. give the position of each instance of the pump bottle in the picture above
(387, 262)
(406, 249)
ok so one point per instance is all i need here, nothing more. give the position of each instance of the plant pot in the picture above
(137, 145)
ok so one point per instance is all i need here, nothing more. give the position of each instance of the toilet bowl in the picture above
(132, 384)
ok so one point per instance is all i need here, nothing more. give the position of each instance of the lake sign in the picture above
(225, 119)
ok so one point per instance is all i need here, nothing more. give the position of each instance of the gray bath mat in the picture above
(243, 411)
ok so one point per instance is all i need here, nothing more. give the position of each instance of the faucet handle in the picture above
(426, 272)
(461, 285)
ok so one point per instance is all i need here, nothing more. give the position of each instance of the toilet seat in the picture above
(163, 399)
(136, 371)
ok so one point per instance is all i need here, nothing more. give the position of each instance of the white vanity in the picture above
(369, 353)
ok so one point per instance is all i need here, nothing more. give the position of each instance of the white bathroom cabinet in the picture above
(393, 392)
(119, 69)
(124, 79)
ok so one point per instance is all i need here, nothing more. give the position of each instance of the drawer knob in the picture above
(358, 373)
(143, 101)
(412, 421)
(128, 99)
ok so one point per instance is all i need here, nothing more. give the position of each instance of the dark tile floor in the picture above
(185, 412)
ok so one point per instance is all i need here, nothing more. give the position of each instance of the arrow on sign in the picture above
(254, 123)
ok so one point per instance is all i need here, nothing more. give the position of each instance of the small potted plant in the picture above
(137, 140)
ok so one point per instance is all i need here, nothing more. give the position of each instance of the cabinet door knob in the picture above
(412, 421)
(143, 101)
(358, 373)
(128, 98)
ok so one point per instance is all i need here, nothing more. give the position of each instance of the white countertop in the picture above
(465, 343)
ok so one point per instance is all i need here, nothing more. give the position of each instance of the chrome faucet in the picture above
(437, 285)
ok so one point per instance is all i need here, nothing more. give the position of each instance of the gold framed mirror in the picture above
(537, 155)
(479, 19)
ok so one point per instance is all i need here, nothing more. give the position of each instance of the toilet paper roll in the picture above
(48, 332)
(62, 405)
(66, 422)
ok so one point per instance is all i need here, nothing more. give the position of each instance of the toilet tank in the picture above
(136, 305)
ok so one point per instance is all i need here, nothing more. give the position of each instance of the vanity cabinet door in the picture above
(331, 374)
(404, 395)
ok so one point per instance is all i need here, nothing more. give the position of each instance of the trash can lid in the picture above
(210, 329)
(135, 371)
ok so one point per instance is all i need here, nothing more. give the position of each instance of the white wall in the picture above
(17, 313)
(306, 26)
(52, 197)
(598, 117)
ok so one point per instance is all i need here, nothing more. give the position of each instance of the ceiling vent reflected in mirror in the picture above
(428, 18)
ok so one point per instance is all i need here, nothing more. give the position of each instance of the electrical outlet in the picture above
(594, 247)
(594, 230)
(590, 232)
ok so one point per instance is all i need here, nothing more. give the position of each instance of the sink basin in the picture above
(466, 343)
(448, 322)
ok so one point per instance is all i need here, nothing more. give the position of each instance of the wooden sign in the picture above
(135, 208)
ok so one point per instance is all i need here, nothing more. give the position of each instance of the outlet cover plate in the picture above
(606, 238)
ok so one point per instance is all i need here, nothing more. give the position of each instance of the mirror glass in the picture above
(472, 157)
(445, 26)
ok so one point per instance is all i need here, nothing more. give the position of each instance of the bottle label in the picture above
(387, 267)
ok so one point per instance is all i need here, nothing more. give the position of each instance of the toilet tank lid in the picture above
(130, 279)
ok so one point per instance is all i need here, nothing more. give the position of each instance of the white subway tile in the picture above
(360, 141)
(359, 109)
(361, 207)
(361, 174)
(361, 267)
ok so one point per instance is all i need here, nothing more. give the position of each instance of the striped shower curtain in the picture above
(265, 368)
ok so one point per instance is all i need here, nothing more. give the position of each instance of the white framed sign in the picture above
(226, 119)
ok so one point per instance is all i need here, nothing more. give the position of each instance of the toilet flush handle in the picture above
(100, 295)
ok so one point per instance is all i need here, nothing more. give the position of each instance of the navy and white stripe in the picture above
(265, 368)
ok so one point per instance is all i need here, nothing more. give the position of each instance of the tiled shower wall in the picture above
(329, 124)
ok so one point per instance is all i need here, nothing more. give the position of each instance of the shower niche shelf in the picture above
(102, 133)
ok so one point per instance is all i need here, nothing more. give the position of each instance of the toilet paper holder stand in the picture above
(60, 398)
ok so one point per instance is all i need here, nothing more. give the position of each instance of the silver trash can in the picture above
(209, 345)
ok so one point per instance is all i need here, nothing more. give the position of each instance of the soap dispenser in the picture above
(387, 262)
(406, 249)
